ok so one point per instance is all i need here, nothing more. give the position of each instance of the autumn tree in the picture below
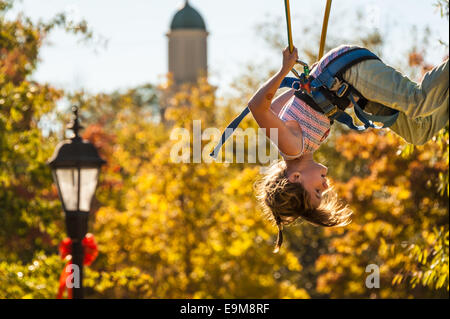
(31, 219)
(169, 229)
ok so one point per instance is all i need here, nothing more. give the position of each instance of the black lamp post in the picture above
(76, 166)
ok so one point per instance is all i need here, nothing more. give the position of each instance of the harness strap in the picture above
(365, 118)
(229, 131)
(346, 119)
(330, 104)
(368, 119)
(339, 64)
(289, 82)
(308, 100)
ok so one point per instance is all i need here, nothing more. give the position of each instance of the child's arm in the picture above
(281, 101)
(289, 142)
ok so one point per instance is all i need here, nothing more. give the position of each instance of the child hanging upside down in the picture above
(297, 187)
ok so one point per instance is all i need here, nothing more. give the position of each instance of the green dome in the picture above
(187, 18)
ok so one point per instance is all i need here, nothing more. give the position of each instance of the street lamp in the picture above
(75, 167)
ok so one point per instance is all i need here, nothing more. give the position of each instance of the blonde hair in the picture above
(283, 202)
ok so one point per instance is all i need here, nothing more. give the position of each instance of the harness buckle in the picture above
(342, 90)
(332, 112)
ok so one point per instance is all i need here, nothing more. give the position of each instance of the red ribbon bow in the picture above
(65, 249)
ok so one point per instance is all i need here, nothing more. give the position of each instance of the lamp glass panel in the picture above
(88, 184)
(67, 179)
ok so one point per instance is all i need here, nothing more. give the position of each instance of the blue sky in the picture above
(137, 45)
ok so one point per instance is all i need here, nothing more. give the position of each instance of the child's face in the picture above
(312, 176)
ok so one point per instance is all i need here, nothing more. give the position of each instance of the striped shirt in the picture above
(315, 126)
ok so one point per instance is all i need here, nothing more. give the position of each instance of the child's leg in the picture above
(415, 131)
(381, 83)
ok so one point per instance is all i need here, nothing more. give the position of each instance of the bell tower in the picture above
(187, 45)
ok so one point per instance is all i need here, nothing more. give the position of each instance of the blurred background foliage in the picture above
(179, 230)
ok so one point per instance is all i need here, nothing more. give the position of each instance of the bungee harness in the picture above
(327, 92)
